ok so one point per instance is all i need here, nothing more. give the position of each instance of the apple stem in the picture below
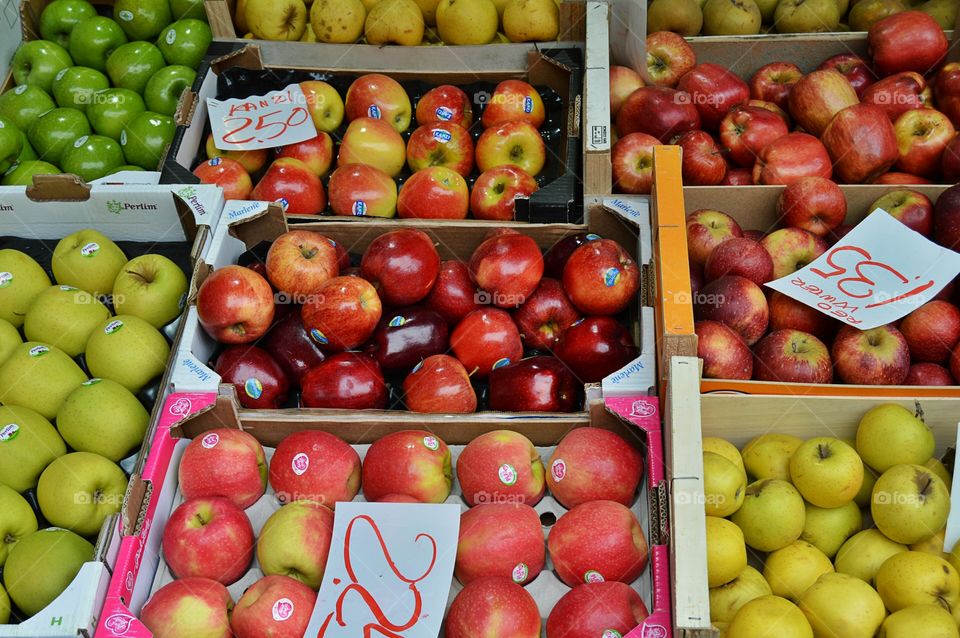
(472, 372)
(9, 539)
(823, 451)
(918, 410)
(145, 278)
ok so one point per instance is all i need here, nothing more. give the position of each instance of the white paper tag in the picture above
(387, 560)
(880, 271)
(261, 121)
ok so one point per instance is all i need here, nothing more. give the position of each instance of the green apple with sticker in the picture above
(28, 444)
(103, 417)
(22, 279)
(89, 260)
(42, 566)
(151, 287)
(127, 350)
(78, 491)
(40, 377)
(64, 316)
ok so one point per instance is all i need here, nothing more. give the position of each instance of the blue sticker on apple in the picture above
(319, 337)
(359, 208)
(502, 362)
(215, 161)
(528, 104)
(611, 277)
(444, 113)
(374, 111)
(417, 367)
(397, 321)
(592, 237)
(253, 388)
(442, 136)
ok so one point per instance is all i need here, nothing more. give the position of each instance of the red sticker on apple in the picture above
(300, 464)
(210, 441)
(282, 609)
(558, 469)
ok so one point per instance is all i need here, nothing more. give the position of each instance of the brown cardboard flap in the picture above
(58, 188)
(135, 503)
(248, 57)
(265, 226)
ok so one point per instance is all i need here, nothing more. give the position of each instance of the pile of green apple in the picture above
(828, 568)
(96, 95)
(62, 434)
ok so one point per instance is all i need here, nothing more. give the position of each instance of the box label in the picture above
(261, 121)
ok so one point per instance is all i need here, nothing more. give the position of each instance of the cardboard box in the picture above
(753, 208)
(560, 197)
(597, 128)
(141, 568)
(151, 215)
(739, 418)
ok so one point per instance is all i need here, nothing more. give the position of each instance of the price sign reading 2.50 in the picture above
(261, 121)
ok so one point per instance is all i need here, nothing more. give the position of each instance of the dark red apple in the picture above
(898, 178)
(485, 339)
(545, 315)
(738, 177)
(707, 229)
(946, 90)
(815, 204)
(454, 295)
(534, 384)
(739, 256)
(557, 255)
(658, 111)
(791, 356)
(932, 331)
(913, 209)
(879, 356)
(345, 381)
(946, 218)
(790, 158)
(737, 302)
(402, 265)
(929, 374)
(746, 130)
(862, 143)
(343, 313)
(508, 267)
(724, 354)
(406, 337)
(292, 347)
(897, 94)
(439, 384)
(258, 378)
(772, 82)
(601, 278)
(595, 347)
(907, 41)
(703, 162)
(786, 313)
(854, 68)
(714, 90)
(950, 160)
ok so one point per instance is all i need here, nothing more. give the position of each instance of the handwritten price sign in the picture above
(880, 271)
(389, 571)
(261, 121)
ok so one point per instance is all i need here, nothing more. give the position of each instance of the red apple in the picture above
(508, 267)
(406, 337)
(773, 108)
(595, 347)
(791, 356)
(623, 82)
(439, 384)
(511, 144)
(815, 204)
(436, 192)
(377, 96)
(913, 209)
(792, 249)
(946, 90)
(597, 541)
(208, 537)
(209, 603)
(929, 374)
(411, 462)
(454, 295)
(343, 313)
(714, 91)
(500, 538)
(402, 265)
(484, 339)
(224, 462)
(658, 111)
(932, 331)
(445, 103)
(488, 605)
(362, 190)
(555, 258)
(954, 363)
(817, 97)
(738, 177)
(374, 142)
(312, 465)
(946, 219)
(907, 41)
(513, 101)
(755, 235)
(669, 57)
(851, 66)
(316, 153)
(896, 177)
(632, 160)
(950, 161)
(397, 498)
(593, 464)
(292, 347)
(897, 94)
(737, 302)
(228, 174)
(276, 606)
(345, 381)
(703, 161)
(862, 143)
(495, 192)
(300, 261)
(707, 229)
(251, 161)
(597, 609)
(740, 256)
(879, 356)
(235, 305)
(922, 136)
(724, 354)
(545, 315)
(786, 313)
(257, 377)
(500, 467)
(441, 144)
(601, 278)
(293, 185)
(772, 82)
(790, 158)
(535, 384)
(746, 130)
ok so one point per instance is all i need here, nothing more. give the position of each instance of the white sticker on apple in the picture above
(282, 609)
(90, 382)
(90, 250)
(6, 278)
(80, 141)
(20, 89)
(59, 76)
(558, 469)
(9, 432)
(520, 573)
(126, 16)
(171, 36)
(38, 351)
(611, 633)
(431, 443)
(300, 464)
(593, 576)
(123, 137)
(112, 327)
(210, 441)
(507, 474)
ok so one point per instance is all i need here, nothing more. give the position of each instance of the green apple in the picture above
(4, 606)
(188, 9)
(163, 91)
(771, 516)
(125, 167)
(87, 259)
(42, 565)
(9, 339)
(792, 569)
(828, 528)
(21, 280)
(16, 520)
(22, 174)
(112, 109)
(930, 621)
(60, 17)
(185, 42)
(27, 154)
(806, 16)
(864, 553)
(842, 605)
(93, 40)
(57, 130)
(768, 456)
(37, 62)
(909, 504)
(151, 287)
(103, 417)
(78, 491)
(890, 434)
(40, 377)
(91, 157)
(127, 350)
(28, 444)
(64, 316)
(142, 19)
(146, 138)
(74, 87)
(917, 578)
(11, 144)
(727, 599)
(131, 65)
(24, 104)
(826, 471)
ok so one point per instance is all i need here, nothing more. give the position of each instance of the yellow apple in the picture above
(890, 434)
(769, 617)
(909, 504)
(828, 528)
(429, 10)
(864, 553)
(916, 578)
(726, 553)
(240, 16)
(929, 621)
(768, 456)
(826, 471)
(727, 599)
(724, 448)
(932, 545)
(862, 499)
(531, 20)
(337, 21)
(936, 466)
(792, 569)
(308, 34)
(842, 605)
(323, 102)
(467, 21)
(771, 516)
(723, 485)
(276, 19)
(731, 17)
(394, 22)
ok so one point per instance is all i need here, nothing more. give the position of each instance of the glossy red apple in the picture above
(792, 249)
(535, 384)
(502, 539)
(896, 177)
(293, 185)
(228, 174)
(817, 97)
(707, 229)
(413, 463)
(669, 57)
(946, 218)
(259, 380)
(739, 256)
(791, 356)
(714, 91)
(208, 537)
(922, 136)
(496, 190)
(737, 177)
(316, 153)
(595, 609)
(737, 302)
(291, 346)
(946, 90)
(658, 111)
(513, 101)
(508, 267)
(862, 143)
(746, 130)
(555, 258)
(406, 337)
(632, 160)
(786, 313)
(929, 374)
(773, 108)
(595, 347)
(907, 41)
(545, 315)
(224, 462)
(343, 313)
(772, 82)
(703, 162)
(912, 208)
(724, 354)
(445, 103)
(454, 295)
(932, 331)
(950, 161)
(235, 305)
(593, 464)
(486, 338)
(402, 265)
(345, 381)
(879, 356)
(487, 605)
(360, 190)
(300, 261)
(378, 96)
(601, 278)
(501, 466)
(854, 68)
(436, 192)
(790, 158)
(312, 465)
(441, 144)
(897, 94)
(439, 384)
(815, 204)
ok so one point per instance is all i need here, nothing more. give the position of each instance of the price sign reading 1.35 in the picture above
(261, 121)
(879, 272)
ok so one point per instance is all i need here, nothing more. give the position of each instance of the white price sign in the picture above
(879, 272)
(388, 572)
(261, 121)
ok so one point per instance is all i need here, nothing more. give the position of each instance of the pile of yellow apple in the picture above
(828, 568)
(402, 22)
